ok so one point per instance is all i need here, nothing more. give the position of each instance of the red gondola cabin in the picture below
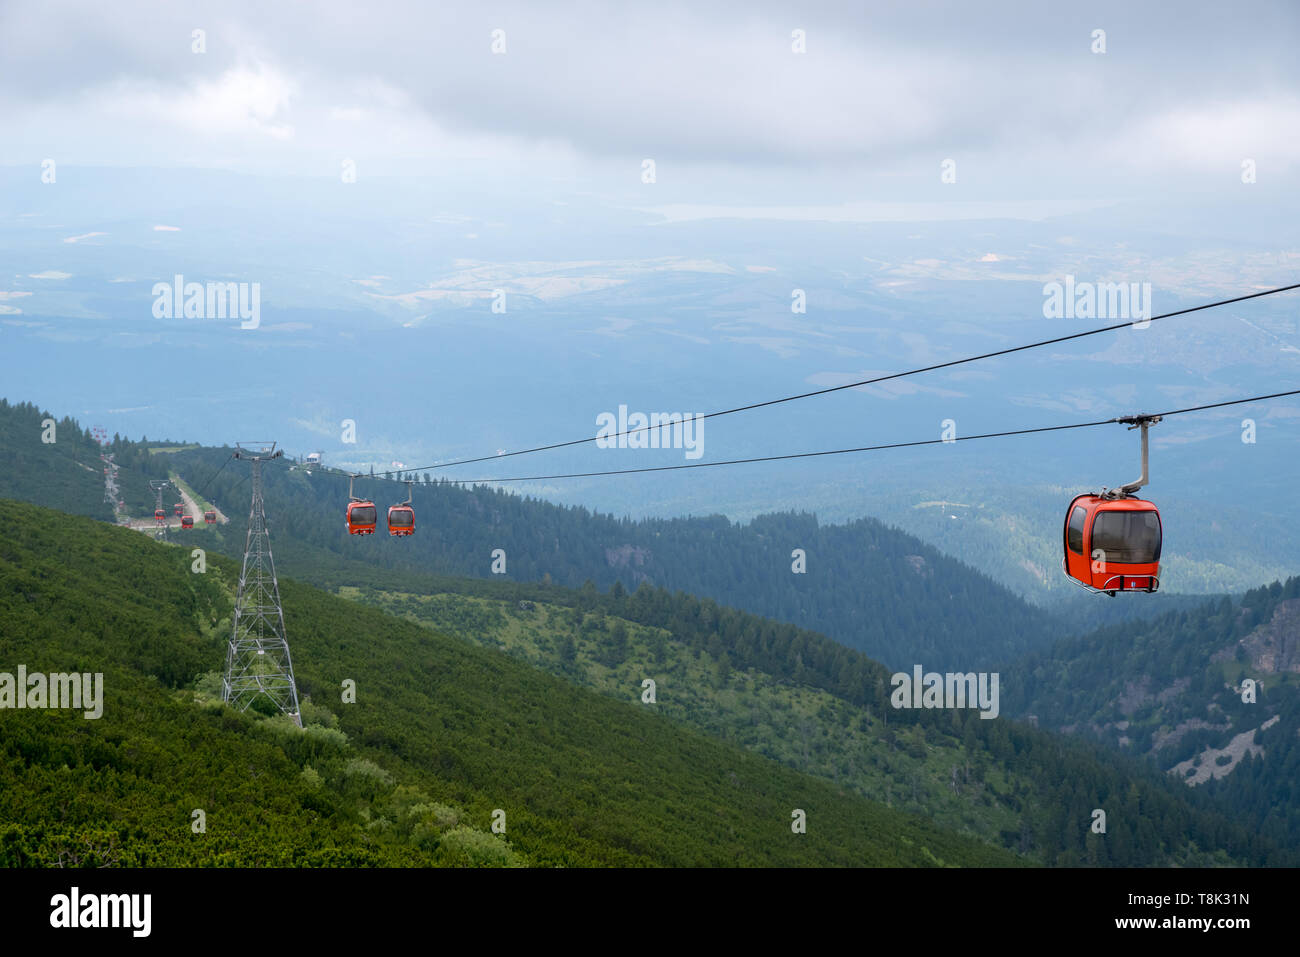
(159, 515)
(1113, 544)
(187, 521)
(361, 518)
(210, 517)
(179, 508)
(401, 520)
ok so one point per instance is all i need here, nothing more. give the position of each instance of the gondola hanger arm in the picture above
(1142, 422)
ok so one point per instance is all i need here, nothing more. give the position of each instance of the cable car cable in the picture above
(861, 382)
(208, 483)
(868, 448)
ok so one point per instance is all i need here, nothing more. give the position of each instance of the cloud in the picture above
(166, 229)
(252, 101)
(892, 90)
(1219, 135)
(77, 239)
(879, 212)
(50, 274)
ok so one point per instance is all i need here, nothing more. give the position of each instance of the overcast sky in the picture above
(714, 93)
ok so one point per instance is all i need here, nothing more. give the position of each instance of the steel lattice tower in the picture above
(257, 661)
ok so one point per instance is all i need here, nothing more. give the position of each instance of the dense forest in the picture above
(822, 708)
(60, 467)
(57, 467)
(867, 585)
(442, 735)
(1173, 690)
(773, 688)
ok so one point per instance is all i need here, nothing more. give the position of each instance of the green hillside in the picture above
(800, 725)
(820, 708)
(866, 585)
(1171, 691)
(772, 689)
(443, 733)
(65, 473)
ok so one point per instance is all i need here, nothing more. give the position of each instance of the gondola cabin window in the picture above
(1127, 538)
(1074, 532)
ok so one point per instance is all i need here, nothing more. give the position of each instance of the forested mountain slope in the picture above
(441, 736)
(774, 689)
(56, 465)
(1176, 690)
(865, 585)
(822, 708)
(60, 466)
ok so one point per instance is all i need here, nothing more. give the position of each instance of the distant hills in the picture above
(390, 326)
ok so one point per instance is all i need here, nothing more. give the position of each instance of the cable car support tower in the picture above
(257, 661)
